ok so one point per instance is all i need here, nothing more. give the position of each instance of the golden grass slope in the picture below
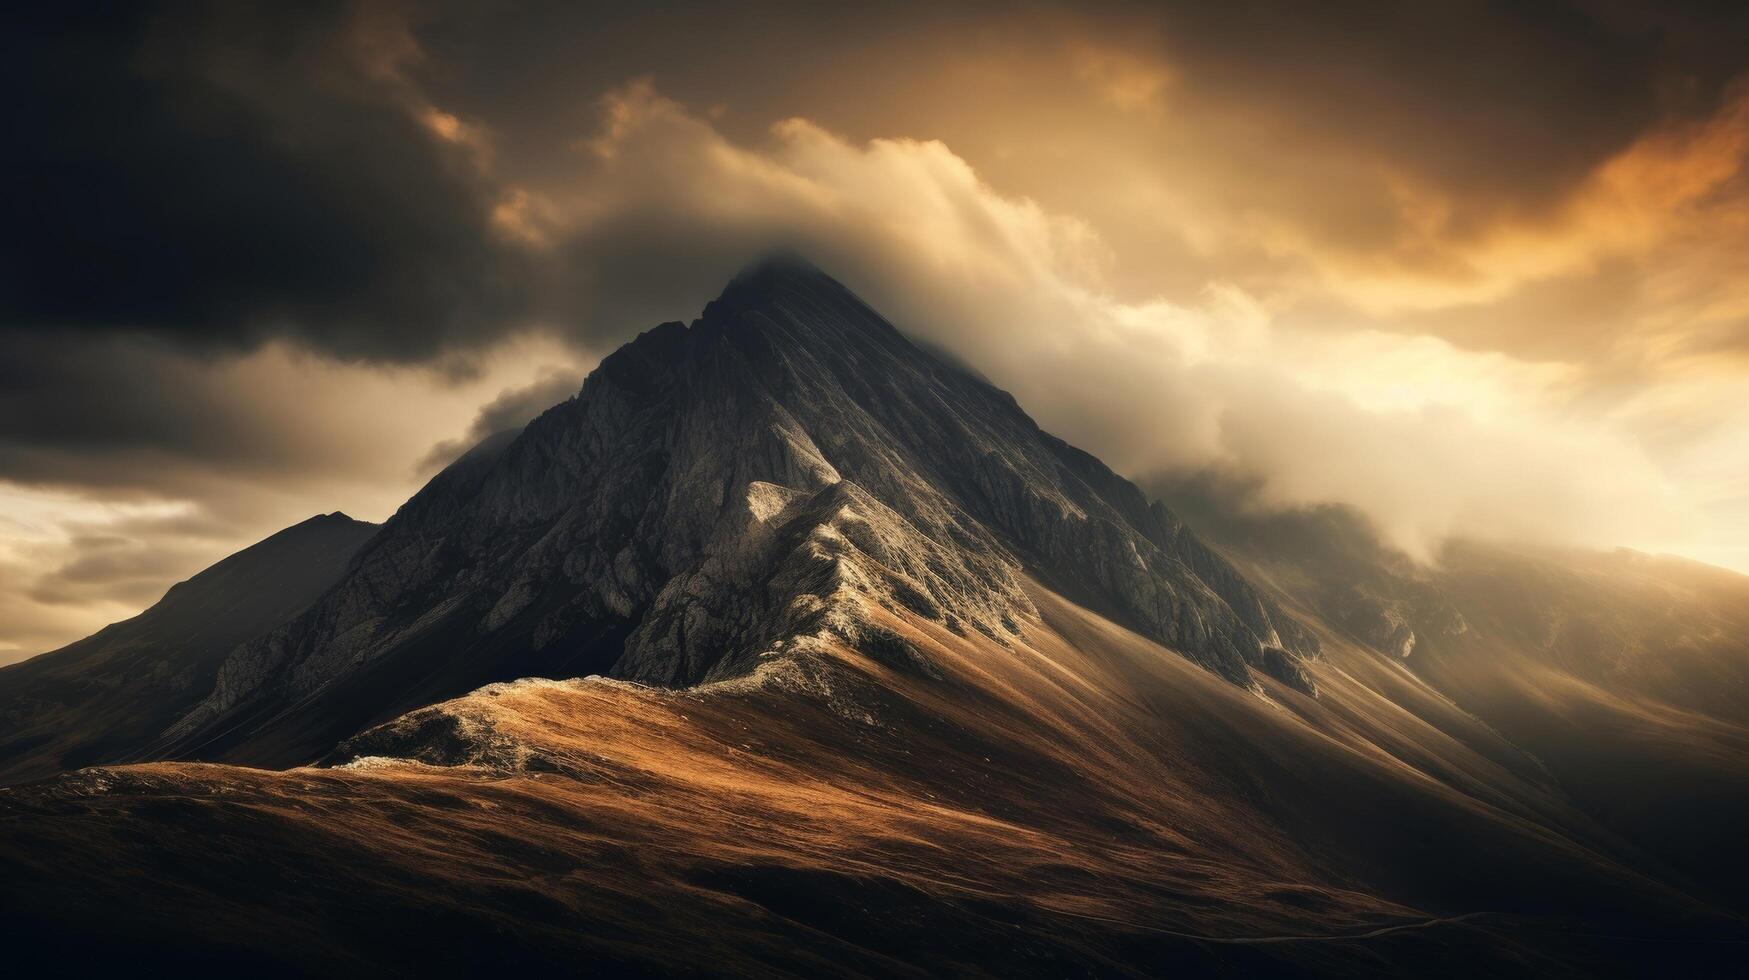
(1083, 801)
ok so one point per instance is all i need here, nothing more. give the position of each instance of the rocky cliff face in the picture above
(723, 492)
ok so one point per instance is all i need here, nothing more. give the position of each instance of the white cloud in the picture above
(1426, 438)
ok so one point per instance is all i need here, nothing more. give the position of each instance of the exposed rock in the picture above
(1380, 623)
(764, 474)
(448, 734)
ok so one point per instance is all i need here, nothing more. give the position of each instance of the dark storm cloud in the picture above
(1508, 100)
(133, 417)
(220, 174)
(512, 409)
(70, 407)
(1502, 104)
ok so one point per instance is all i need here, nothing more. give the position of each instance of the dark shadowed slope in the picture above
(106, 697)
(670, 523)
(1625, 676)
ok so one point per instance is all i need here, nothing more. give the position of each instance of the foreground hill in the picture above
(888, 681)
(1082, 801)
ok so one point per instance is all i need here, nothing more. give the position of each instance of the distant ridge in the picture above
(107, 697)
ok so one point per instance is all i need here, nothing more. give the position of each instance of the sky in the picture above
(1472, 269)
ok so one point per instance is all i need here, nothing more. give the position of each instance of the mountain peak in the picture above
(782, 279)
(779, 265)
(788, 477)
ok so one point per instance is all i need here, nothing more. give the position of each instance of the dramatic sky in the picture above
(1469, 267)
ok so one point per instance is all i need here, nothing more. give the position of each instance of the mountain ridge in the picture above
(620, 523)
(784, 647)
(103, 698)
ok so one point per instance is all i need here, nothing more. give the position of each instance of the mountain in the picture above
(714, 495)
(106, 697)
(804, 652)
(1625, 675)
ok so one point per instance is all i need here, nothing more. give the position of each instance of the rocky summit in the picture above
(720, 494)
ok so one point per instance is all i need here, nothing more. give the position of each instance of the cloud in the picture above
(127, 465)
(119, 413)
(223, 175)
(512, 409)
(1124, 79)
(1463, 266)
(1679, 182)
(68, 565)
(1427, 439)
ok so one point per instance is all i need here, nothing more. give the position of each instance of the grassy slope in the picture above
(1083, 801)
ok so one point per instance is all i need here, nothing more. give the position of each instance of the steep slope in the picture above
(1625, 676)
(1080, 801)
(699, 505)
(105, 697)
